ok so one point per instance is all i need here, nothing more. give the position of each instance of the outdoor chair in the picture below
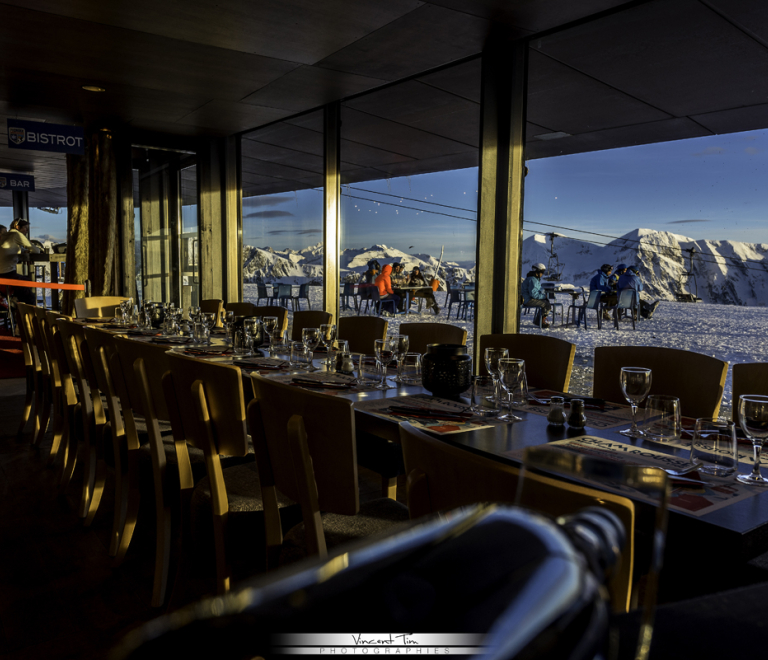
(548, 360)
(361, 332)
(378, 304)
(302, 295)
(627, 306)
(592, 302)
(308, 319)
(282, 294)
(212, 307)
(555, 306)
(468, 304)
(273, 310)
(452, 296)
(305, 449)
(422, 334)
(349, 292)
(696, 379)
(442, 477)
(98, 306)
(240, 308)
(262, 294)
(748, 378)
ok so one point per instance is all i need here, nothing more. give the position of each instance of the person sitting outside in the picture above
(535, 296)
(417, 279)
(601, 282)
(12, 244)
(613, 280)
(370, 275)
(631, 280)
(384, 282)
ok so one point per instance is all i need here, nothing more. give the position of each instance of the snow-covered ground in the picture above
(727, 332)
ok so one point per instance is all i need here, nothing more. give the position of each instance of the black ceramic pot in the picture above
(446, 369)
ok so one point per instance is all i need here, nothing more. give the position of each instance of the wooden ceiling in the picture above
(624, 73)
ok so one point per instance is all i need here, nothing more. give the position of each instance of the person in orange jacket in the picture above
(384, 282)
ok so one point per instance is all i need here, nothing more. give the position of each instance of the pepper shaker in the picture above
(577, 419)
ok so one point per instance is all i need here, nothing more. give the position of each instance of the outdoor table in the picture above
(408, 290)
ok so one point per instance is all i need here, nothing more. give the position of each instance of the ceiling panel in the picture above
(680, 57)
(426, 38)
(294, 30)
(462, 80)
(226, 115)
(739, 119)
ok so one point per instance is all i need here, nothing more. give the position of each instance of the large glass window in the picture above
(409, 197)
(282, 178)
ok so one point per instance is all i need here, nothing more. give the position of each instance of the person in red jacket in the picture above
(384, 282)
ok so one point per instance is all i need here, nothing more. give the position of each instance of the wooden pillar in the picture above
(103, 262)
(77, 228)
(331, 207)
(500, 202)
(127, 242)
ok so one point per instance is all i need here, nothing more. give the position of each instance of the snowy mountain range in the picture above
(726, 272)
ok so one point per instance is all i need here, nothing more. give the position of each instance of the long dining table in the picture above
(730, 535)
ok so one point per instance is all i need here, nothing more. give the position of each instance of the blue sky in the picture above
(711, 187)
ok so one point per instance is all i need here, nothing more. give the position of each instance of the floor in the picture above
(61, 596)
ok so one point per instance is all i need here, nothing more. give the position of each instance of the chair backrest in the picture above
(97, 306)
(442, 477)
(308, 319)
(349, 289)
(456, 295)
(273, 310)
(593, 302)
(469, 295)
(156, 365)
(212, 306)
(81, 368)
(361, 332)
(304, 290)
(241, 308)
(548, 360)
(697, 380)
(283, 291)
(26, 340)
(329, 425)
(748, 378)
(422, 334)
(627, 299)
(262, 291)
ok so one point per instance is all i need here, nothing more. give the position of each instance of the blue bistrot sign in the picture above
(39, 136)
(9, 181)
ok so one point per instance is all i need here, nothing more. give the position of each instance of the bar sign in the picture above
(19, 182)
(39, 136)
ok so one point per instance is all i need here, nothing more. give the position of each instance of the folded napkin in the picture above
(321, 385)
(144, 333)
(171, 340)
(202, 352)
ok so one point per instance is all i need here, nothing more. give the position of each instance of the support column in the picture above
(127, 286)
(20, 204)
(232, 225)
(501, 175)
(331, 206)
(77, 228)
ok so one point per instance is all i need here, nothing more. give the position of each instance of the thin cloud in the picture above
(269, 214)
(752, 151)
(685, 222)
(711, 151)
(276, 232)
(268, 200)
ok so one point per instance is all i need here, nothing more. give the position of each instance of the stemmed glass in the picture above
(228, 321)
(384, 355)
(327, 337)
(492, 357)
(399, 344)
(210, 320)
(753, 418)
(511, 372)
(270, 324)
(194, 312)
(635, 385)
(249, 329)
(310, 337)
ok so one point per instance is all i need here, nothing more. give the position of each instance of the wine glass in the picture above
(194, 312)
(492, 357)
(511, 372)
(635, 385)
(327, 337)
(249, 329)
(399, 345)
(210, 320)
(384, 355)
(270, 324)
(229, 322)
(753, 419)
(311, 338)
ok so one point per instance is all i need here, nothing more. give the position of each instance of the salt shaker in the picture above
(556, 414)
(577, 419)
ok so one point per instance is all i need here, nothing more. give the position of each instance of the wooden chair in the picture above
(31, 365)
(548, 360)
(93, 416)
(748, 378)
(214, 307)
(305, 449)
(50, 384)
(97, 306)
(361, 332)
(240, 308)
(421, 334)
(308, 319)
(442, 477)
(697, 380)
(274, 310)
(210, 405)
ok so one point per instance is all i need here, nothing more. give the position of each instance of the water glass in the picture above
(484, 396)
(367, 369)
(200, 333)
(298, 354)
(714, 446)
(662, 418)
(411, 370)
(240, 341)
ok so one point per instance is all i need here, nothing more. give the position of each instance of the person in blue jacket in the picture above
(535, 296)
(602, 282)
(631, 280)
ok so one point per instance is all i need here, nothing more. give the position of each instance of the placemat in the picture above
(343, 383)
(710, 494)
(611, 416)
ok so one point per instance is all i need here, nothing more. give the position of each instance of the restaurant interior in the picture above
(157, 497)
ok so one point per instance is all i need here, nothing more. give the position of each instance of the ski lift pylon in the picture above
(554, 267)
(686, 277)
